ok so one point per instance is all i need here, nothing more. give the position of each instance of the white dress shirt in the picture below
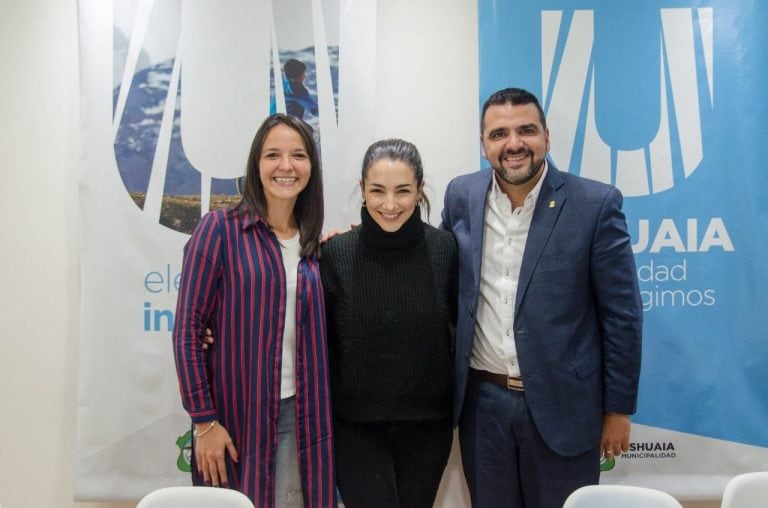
(504, 235)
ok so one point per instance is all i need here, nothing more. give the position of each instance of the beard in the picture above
(521, 176)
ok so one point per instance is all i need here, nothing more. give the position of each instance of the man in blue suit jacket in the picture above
(548, 338)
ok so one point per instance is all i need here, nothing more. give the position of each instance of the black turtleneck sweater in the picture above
(390, 301)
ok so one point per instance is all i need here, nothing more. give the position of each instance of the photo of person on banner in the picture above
(297, 97)
(259, 398)
(548, 337)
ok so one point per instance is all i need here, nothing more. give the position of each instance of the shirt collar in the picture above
(251, 219)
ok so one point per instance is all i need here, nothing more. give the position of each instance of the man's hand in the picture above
(615, 438)
(211, 446)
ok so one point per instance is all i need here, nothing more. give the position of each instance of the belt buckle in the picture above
(514, 384)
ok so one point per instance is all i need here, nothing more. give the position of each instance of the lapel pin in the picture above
(552, 204)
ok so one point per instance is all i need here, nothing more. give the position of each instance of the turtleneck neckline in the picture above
(411, 232)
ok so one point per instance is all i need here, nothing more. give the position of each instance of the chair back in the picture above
(746, 490)
(195, 497)
(619, 496)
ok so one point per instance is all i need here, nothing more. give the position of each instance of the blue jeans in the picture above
(288, 491)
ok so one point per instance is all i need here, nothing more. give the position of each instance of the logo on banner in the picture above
(628, 108)
(650, 450)
(607, 464)
(184, 460)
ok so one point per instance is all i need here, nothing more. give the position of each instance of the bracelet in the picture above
(201, 434)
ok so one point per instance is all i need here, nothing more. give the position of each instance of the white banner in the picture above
(172, 94)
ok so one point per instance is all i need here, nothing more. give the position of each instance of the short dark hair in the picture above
(308, 209)
(294, 68)
(397, 150)
(515, 97)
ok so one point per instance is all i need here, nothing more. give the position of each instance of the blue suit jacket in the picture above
(578, 315)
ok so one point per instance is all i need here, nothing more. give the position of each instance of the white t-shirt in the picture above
(290, 250)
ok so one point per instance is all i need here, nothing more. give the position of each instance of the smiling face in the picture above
(391, 193)
(284, 165)
(515, 143)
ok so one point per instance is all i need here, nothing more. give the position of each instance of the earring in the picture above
(363, 203)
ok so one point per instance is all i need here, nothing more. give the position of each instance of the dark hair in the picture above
(397, 150)
(308, 209)
(294, 68)
(515, 97)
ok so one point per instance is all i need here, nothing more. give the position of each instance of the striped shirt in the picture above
(234, 282)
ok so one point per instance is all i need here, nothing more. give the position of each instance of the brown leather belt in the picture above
(508, 382)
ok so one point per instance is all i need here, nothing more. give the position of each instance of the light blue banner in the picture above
(667, 100)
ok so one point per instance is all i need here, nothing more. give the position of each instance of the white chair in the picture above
(619, 496)
(195, 497)
(748, 490)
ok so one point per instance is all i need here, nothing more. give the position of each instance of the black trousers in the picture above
(391, 464)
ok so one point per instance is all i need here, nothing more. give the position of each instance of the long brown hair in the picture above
(308, 210)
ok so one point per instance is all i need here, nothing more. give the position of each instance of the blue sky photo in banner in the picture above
(666, 100)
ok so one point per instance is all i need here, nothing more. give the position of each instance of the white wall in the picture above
(427, 62)
(427, 65)
(39, 264)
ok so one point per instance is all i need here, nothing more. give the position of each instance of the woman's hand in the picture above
(211, 446)
(334, 232)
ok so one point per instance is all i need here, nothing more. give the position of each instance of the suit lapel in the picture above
(477, 196)
(548, 206)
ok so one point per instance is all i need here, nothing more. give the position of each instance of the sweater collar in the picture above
(411, 232)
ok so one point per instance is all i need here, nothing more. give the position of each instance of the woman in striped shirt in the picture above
(259, 398)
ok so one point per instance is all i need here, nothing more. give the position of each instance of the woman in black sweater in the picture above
(390, 293)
